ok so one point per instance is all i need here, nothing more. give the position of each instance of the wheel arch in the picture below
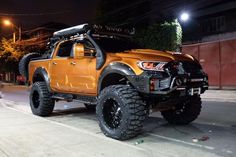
(114, 73)
(41, 75)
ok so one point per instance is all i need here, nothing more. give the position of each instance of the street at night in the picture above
(216, 122)
(118, 78)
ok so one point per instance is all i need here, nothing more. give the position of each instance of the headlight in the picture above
(152, 65)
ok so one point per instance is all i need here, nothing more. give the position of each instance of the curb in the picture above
(219, 95)
(219, 100)
(223, 95)
(2, 85)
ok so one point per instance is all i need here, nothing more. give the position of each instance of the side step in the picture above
(79, 98)
(63, 97)
(92, 100)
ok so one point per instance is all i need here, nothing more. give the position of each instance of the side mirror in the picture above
(78, 50)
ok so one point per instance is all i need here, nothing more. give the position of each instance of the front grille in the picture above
(157, 74)
(183, 67)
(195, 84)
(191, 67)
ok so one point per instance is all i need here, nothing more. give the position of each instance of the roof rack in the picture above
(83, 28)
(72, 30)
(113, 30)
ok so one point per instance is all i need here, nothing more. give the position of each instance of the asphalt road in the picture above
(217, 122)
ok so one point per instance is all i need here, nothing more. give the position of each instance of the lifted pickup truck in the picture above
(102, 68)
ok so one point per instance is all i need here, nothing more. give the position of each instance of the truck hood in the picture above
(155, 55)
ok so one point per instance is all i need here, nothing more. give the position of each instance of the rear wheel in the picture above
(40, 99)
(185, 112)
(120, 112)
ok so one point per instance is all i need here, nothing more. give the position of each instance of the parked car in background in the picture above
(20, 79)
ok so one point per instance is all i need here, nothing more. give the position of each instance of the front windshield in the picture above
(115, 44)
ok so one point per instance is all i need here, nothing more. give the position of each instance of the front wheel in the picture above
(185, 112)
(120, 112)
(41, 102)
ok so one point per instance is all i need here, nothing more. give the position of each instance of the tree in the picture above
(165, 36)
(9, 47)
(137, 14)
(10, 53)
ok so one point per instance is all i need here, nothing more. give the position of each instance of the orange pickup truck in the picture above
(105, 70)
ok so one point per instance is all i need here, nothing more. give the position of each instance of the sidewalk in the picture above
(209, 95)
(2, 84)
(220, 95)
(23, 134)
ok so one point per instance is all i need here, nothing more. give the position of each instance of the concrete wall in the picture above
(218, 59)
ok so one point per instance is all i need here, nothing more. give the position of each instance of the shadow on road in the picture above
(78, 110)
(156, 130)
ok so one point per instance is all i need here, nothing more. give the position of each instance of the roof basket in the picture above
(113, 30)
(83, 28)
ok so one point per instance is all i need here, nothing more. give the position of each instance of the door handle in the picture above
(54, 63)
(72, 63)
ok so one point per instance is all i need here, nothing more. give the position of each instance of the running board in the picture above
(86, 99)
(63, 97)
(79, 98)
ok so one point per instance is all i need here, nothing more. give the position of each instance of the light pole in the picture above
(7, 22)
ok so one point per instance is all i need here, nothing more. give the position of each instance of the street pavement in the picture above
(73, 131)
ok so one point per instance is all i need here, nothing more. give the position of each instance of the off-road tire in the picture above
(90, 107)
(186, 113)
(24, 62)
(132, 111)
(40, 100)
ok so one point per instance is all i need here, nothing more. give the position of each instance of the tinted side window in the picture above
(65, 49)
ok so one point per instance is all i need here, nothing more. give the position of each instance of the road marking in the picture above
(180, 141)
(212, 124)
(4, 153)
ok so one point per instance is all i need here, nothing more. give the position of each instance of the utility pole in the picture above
(14, 37)
(14, 34)
(20, 31)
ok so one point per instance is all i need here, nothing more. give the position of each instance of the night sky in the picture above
(32, 13)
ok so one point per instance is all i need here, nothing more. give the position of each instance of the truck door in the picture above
(82, 73)
(60, 66)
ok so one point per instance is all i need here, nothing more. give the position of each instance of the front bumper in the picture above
(162, 84)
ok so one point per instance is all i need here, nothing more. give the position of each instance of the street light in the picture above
(8, 23)
(184, 16)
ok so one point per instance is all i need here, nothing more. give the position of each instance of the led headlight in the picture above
(152, 65)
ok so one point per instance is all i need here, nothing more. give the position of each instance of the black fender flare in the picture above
(42, 72)
(116, 67)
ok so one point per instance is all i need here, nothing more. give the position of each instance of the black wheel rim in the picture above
(112, 113)
(35, 99)
(181, 108)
